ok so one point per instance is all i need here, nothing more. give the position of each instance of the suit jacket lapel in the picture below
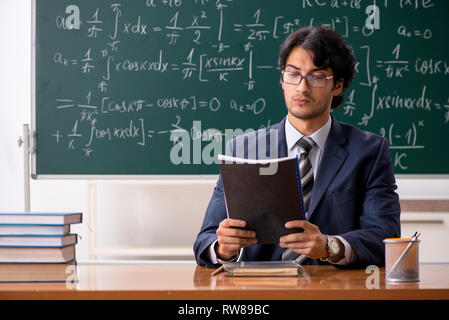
(333, 158)
(282, 141)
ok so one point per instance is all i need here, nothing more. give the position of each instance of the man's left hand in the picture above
(311, 242)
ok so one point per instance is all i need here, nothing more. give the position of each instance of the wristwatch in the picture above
(335, 248)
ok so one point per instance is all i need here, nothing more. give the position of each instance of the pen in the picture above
(221, 269)
(414, 238)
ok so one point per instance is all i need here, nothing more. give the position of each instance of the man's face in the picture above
(305, 102)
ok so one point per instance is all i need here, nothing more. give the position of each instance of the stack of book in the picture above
(36, 246)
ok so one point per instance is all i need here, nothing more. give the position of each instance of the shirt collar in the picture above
(320, 136)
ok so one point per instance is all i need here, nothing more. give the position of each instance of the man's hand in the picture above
(311, 242)
(231, 239)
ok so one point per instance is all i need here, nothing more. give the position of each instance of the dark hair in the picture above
(329, 50)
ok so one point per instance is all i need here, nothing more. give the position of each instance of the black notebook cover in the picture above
(265, 202)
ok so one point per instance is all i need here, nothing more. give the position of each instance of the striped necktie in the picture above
(306, 172)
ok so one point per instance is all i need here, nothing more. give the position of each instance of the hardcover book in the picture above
(40, 218)
(51, 272)
(31, 229)
(37, 254)
(38, 240)
(263, 268)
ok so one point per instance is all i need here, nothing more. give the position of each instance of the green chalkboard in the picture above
(116, 81)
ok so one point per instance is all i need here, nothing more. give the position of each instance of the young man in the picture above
(351, 200)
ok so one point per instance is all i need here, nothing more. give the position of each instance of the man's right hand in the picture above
(231, 239)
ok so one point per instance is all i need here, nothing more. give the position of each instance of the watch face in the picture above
(335, 248)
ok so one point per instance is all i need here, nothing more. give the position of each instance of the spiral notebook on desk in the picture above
(264, 193)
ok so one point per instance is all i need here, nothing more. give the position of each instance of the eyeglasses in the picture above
(314, 81)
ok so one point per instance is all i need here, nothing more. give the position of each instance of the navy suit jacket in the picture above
(353, 196)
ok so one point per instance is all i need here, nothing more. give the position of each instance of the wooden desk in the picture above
(180, 282)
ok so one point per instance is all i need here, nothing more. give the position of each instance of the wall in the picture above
(128, 214)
